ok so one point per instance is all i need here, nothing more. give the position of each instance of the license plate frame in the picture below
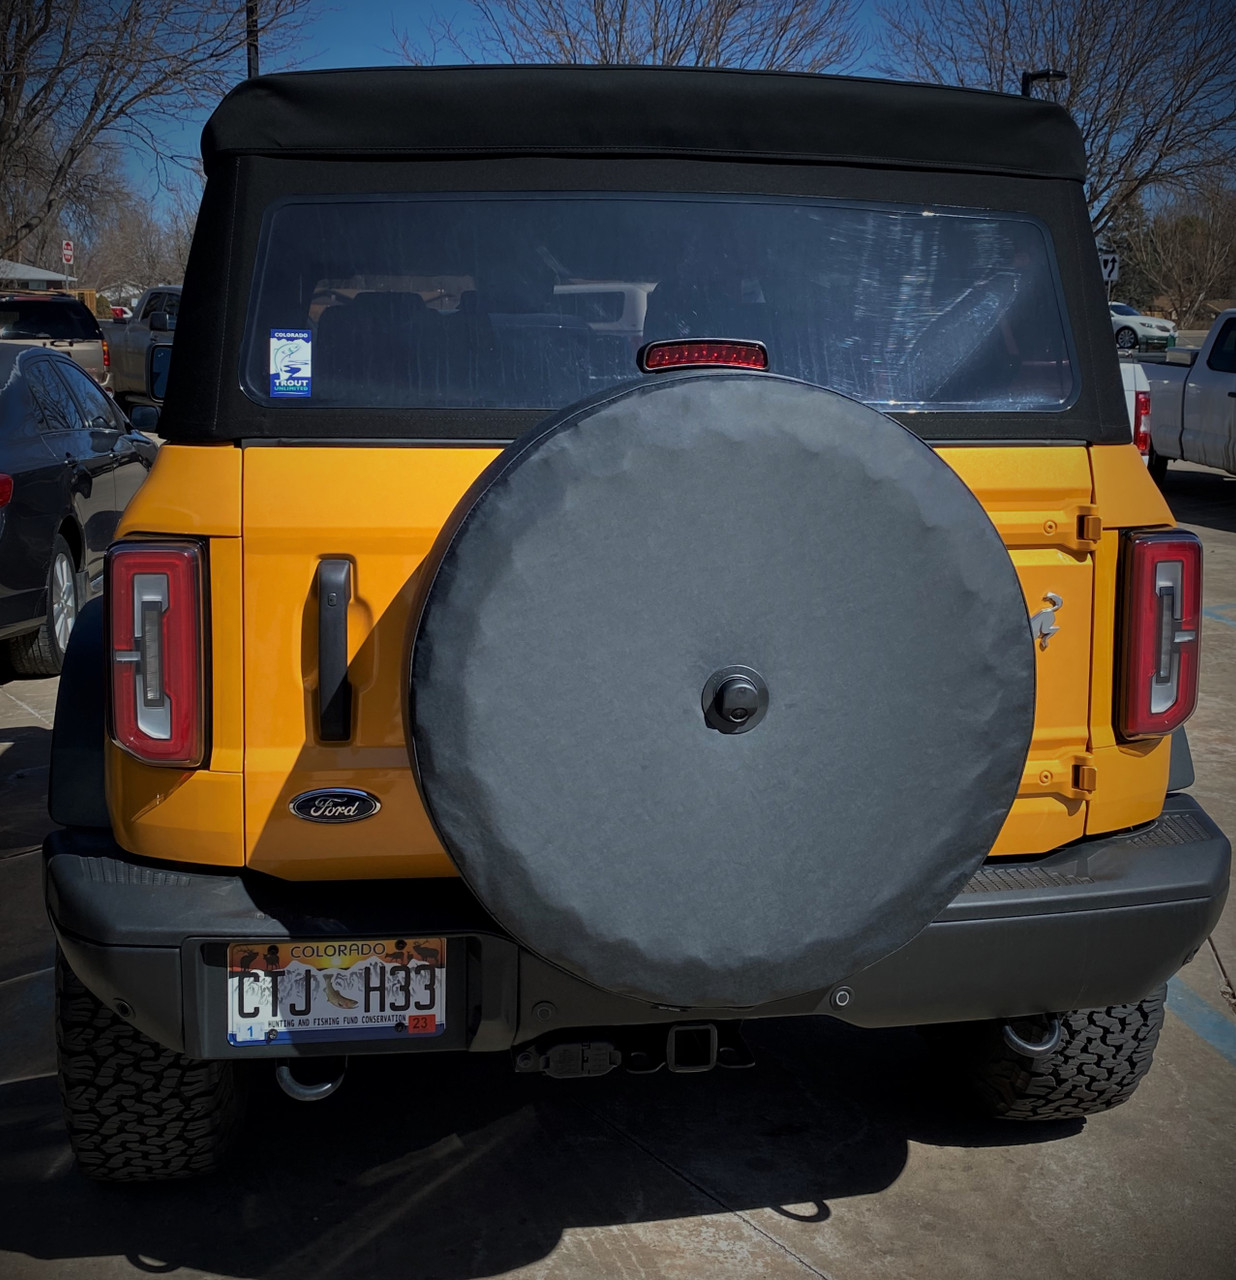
(338, 990)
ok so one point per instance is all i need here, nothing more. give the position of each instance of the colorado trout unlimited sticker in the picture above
(291, 362)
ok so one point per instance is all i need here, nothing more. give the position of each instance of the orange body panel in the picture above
(193, 491)
(197, 816)
(1036, 497)
(382, 509)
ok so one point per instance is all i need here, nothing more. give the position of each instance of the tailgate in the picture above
(380, 508)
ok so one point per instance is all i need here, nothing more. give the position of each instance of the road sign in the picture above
(1109, 264)
(66, 252)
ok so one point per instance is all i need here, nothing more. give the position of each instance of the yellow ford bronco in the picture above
(636, 550)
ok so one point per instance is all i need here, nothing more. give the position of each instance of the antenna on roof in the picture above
(1048, 73)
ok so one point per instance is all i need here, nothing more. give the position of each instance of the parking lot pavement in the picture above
(1204, 500)
(840, 1154)
(25, 940)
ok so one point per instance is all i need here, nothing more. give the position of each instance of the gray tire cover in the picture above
(576, 604)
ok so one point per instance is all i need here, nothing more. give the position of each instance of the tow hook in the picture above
(310, 1079)
(1052, 1035)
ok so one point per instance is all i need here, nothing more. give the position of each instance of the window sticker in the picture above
(291, 362)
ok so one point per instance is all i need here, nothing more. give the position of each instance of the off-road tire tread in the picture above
(135, 1111)
(1103, 1058)
(35, 653)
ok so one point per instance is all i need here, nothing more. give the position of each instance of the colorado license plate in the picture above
(356, 989)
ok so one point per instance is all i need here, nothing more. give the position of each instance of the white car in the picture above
(1133, 330)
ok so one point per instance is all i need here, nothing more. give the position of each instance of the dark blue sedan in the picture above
(69, 463)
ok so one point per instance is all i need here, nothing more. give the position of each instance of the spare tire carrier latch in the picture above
(734, 699)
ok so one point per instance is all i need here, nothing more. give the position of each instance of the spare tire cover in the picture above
(573, 610)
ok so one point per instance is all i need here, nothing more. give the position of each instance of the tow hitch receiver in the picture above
(691, 1046)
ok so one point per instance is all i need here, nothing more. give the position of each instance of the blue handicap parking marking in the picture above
(1221, 613)
(1201, 1018)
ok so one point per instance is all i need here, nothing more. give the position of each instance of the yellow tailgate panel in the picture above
(381, 508)
(1039, 500)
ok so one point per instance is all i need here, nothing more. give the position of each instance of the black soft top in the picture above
(463, 112)
(690, 132)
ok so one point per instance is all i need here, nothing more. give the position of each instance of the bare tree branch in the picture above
(799, 35)
(1153, 89)
(74, 73)
(1187, 250)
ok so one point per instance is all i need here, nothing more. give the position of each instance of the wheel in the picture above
(1157, 466)
(135, 1111)
(1126, 339)
(1101, 1058)
(41, 652)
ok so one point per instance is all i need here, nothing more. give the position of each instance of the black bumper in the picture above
(1102, 922)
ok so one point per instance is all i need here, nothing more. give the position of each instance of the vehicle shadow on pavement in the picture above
(449, 1169)
(25, 760)
(1200, 497)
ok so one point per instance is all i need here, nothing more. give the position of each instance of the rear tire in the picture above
(135, 1111)
(1156, 464)
(41, 652)
(1101, 1059)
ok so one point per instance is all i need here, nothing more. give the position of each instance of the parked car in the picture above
(60, 323)
(1193, 402)
(153, 323)
(457, 704)
(1134, 330)
(69, 464)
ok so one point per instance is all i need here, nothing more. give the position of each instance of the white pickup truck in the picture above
(1193, 401)
(153, 324)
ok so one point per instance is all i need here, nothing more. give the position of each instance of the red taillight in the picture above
(681, 354)
(154, 605)
(1141, 422)
(107, 355)
(6, 490)
(1162, 589)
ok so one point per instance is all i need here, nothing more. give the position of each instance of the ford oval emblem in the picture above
(336, 804)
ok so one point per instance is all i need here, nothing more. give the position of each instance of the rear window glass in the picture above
(33, 318)
(532, 301)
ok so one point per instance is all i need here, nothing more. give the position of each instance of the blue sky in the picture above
(341, 34)
(360, 34)
(336, 34)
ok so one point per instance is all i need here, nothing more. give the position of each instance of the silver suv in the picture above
(61, 322)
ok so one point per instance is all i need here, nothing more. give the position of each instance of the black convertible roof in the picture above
(458, 112)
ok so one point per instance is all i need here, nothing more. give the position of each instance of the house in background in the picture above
(18, 276)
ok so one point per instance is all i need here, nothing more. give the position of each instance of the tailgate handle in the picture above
(334, 690)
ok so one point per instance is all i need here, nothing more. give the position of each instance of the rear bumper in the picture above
(1102, 922)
